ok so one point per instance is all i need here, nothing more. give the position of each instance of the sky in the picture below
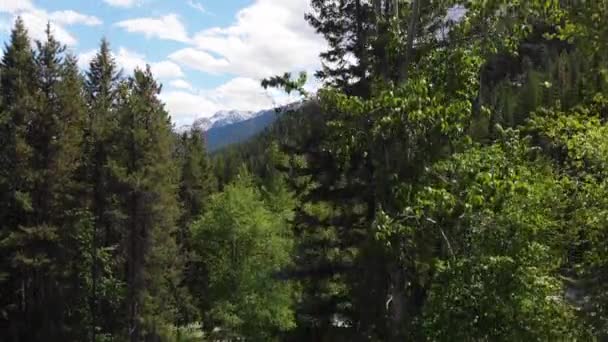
(210, 55)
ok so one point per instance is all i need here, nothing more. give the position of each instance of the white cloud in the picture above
(166, 69)
(200, 60)
(129, 60)
(268, 37)
(181, 84)
(197, 6)
(36, 19)
(70, 17)
(185, 107)
(84, 58)
(121, 3)
(13, 6)
(241, 93)
(167, 27)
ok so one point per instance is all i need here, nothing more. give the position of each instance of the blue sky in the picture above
(209, 54)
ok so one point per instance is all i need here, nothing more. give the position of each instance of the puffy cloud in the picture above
(181, 84)
(185, 107)
(121, 3)
(167, 27)
(69, 17)
(267, 38)
(200, 60)
(13, 6)
(126, 59)
(36, 19)
(241, 93)
(84, 58)
(129, 60)
(166, 69)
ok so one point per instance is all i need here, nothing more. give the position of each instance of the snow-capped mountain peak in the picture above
(202, 124)
(220, 119)
(229, 117)
(232, 126)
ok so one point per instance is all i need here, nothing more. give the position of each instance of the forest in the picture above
(447, 182)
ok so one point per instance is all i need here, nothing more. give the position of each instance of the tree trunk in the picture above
(134, 266)
(398, 306)
(411, 36)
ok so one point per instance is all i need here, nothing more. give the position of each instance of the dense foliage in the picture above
(243, 243)
(454, 159)
(447, 182)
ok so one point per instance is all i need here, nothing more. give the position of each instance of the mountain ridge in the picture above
(227, 127)
(219, 119)
(219, 136)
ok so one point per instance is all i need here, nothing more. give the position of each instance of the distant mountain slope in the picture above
(219, 136)
(219, 119)
(229, 127)
(229, 117)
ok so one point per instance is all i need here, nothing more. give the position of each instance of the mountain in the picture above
(220, 119)
(229, 127)
(229, 117)
(219, 136)
(224, 134)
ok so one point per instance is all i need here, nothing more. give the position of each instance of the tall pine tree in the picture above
(197, 183)
(147, 178)
(40, 247)
(101, 87)
(17, 81)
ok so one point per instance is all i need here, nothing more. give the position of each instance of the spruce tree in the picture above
(197, 183)
(101, 92)
(101, 84)
(197, 180)
(17, 81)
(44, 133)
(68, 189)
(57, 140)
(347, 27)
(40, 246)
(147, 177)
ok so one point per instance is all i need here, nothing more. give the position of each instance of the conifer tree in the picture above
(147, 178)
(197, 180)
(45, 126)
(347, 26)
(197, 183)
(101, 84)
(77, 225)
(43, 241)
(17, 81)
(101, 92)
(56, 138)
